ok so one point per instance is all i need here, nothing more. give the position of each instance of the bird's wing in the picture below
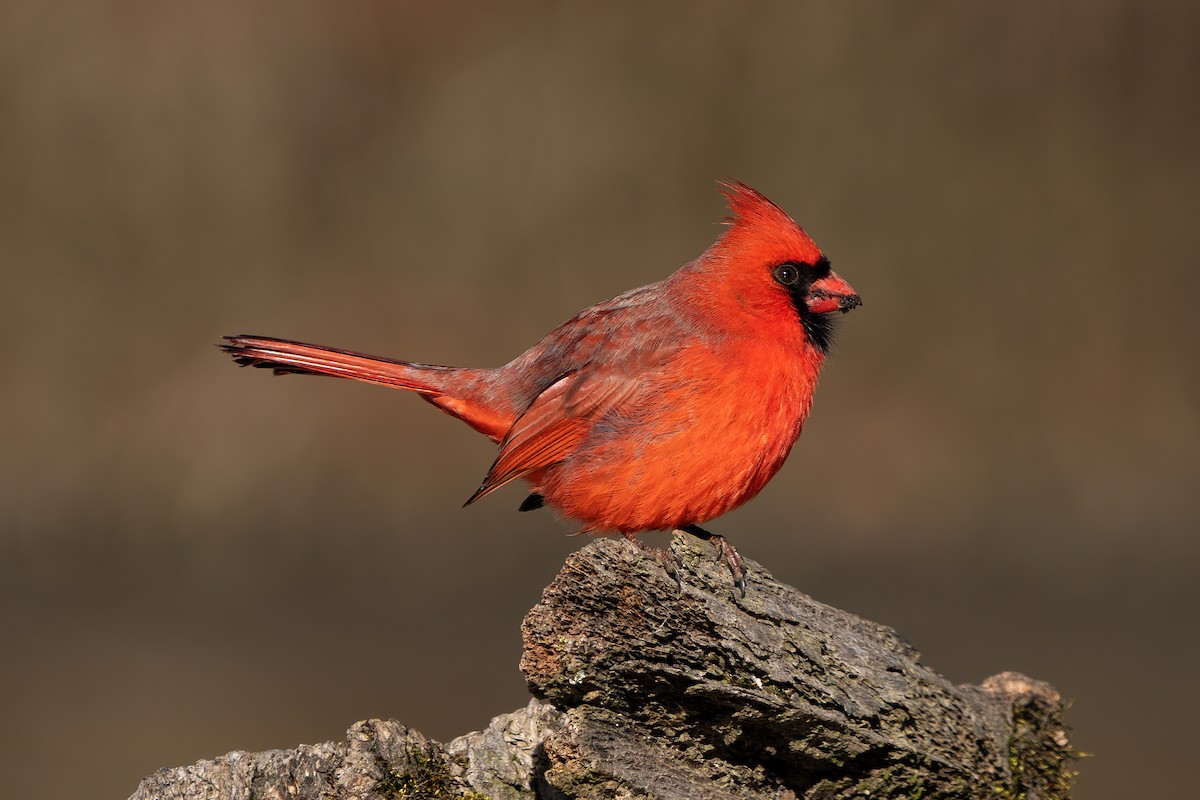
(556, 422)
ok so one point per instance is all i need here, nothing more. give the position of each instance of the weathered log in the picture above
(647, 690)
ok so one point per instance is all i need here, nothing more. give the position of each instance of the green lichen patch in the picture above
(1039, 756)
(427, 777)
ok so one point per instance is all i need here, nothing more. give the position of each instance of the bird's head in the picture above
(766, 265)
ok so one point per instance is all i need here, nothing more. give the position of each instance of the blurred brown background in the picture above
(1004, 454)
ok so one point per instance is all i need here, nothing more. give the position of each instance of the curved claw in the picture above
(670, 561)
(737, 565)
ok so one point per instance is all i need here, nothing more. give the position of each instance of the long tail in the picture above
(284, 356)
(462, 393)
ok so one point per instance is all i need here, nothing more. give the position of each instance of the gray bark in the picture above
(643, 690)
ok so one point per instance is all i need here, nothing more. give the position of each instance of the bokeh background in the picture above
(1003, 460)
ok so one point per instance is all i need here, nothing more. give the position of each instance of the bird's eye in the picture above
(787, 274)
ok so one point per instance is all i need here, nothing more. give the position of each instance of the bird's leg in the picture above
(727, 551)
(669, 560)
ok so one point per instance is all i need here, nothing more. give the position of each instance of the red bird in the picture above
(659, 409)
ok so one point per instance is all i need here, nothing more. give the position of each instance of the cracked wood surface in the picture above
(646, 690)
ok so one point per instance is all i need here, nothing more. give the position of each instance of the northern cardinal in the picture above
(659, 409)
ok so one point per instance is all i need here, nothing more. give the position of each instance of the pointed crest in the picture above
(746, 202)
(752, 213)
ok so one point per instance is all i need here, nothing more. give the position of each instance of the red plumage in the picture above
(659, 409)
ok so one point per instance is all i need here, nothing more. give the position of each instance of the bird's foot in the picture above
(726, 551)
(668, 559)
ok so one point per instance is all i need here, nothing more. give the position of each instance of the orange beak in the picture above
(832, 293)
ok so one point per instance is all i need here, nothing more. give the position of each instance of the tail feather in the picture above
(284, 356)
